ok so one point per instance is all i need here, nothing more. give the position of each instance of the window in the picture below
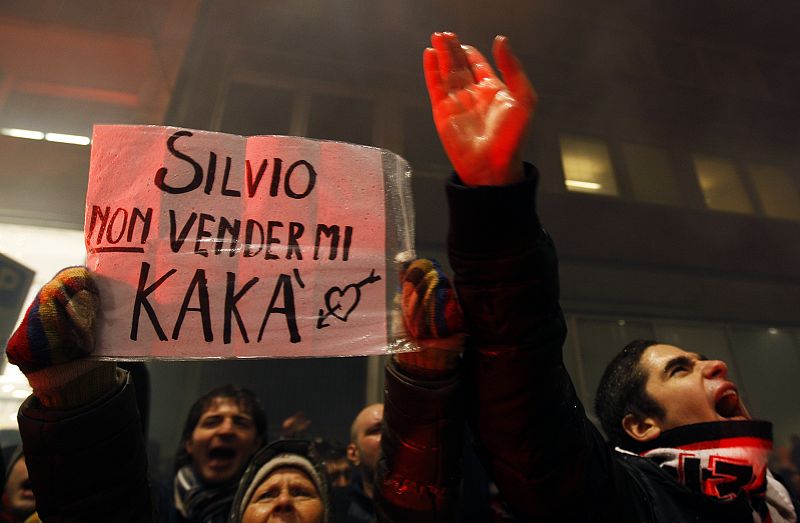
(679, 61)
(651, 174)
(422, 147)
(782, 79)
(778, 193)
(257, 109)
(572, 359)
(732, 71)
(770, 360)
(600, 340)
(722, 187)
(341, 118)
(587, 166)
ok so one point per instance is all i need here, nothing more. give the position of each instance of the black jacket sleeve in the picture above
(89, 464)
(547, 459)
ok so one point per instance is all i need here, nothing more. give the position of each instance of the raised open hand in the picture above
(481, 120)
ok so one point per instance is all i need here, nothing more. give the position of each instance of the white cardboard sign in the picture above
(210, 245)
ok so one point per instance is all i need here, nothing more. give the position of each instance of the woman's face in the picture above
(287, 495)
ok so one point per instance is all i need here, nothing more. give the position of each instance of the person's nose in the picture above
(226, 427)
(284, 503)
(715, 369)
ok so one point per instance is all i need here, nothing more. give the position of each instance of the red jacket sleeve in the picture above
(419, 471)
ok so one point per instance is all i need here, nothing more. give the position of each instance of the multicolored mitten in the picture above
(429, 303)
(432, 319)
(57, 327)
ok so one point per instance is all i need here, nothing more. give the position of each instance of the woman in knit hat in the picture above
(285, 482)
(18, 504)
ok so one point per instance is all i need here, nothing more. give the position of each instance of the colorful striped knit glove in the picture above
(430, 307)
(58, 325)
(55, 335)
(432, 317)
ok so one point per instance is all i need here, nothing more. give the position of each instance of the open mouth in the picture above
(221, 454)
(727, 404)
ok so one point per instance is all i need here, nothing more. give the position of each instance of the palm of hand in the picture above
(481, 127)
(480, 118)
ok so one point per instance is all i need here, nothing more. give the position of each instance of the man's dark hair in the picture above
(622, 391)
(245, 399)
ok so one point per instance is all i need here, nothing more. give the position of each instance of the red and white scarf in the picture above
(721, 459)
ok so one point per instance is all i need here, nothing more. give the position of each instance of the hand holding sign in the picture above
(432, 318)
(51, 344)
(215, 245)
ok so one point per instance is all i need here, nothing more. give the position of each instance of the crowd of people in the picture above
(680, 445)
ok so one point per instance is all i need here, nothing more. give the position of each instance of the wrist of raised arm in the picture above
(74, 384)
(487, 221)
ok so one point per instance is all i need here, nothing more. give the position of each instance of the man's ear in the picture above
(353, 456)
(641, 429)
(187, 445)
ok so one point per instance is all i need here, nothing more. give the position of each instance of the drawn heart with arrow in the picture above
(339, 300)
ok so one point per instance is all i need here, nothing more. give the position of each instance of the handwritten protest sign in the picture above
(212, 245)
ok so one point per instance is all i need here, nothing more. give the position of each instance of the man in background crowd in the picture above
(363, 452)
(223, 430)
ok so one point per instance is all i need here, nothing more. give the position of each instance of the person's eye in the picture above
(678, 369)
(211, 421)
(268, 495)
(301, 492)
(243, 422)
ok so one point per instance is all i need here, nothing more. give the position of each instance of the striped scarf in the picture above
(200, 503)
(722, 459)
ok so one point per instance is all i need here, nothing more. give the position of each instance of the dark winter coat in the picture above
(548, 460)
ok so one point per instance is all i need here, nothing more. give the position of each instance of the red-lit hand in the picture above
(481, 120)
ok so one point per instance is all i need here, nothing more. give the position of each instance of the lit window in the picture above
(651, 174)
(777, 192)
(587, 166)
(722, 188)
